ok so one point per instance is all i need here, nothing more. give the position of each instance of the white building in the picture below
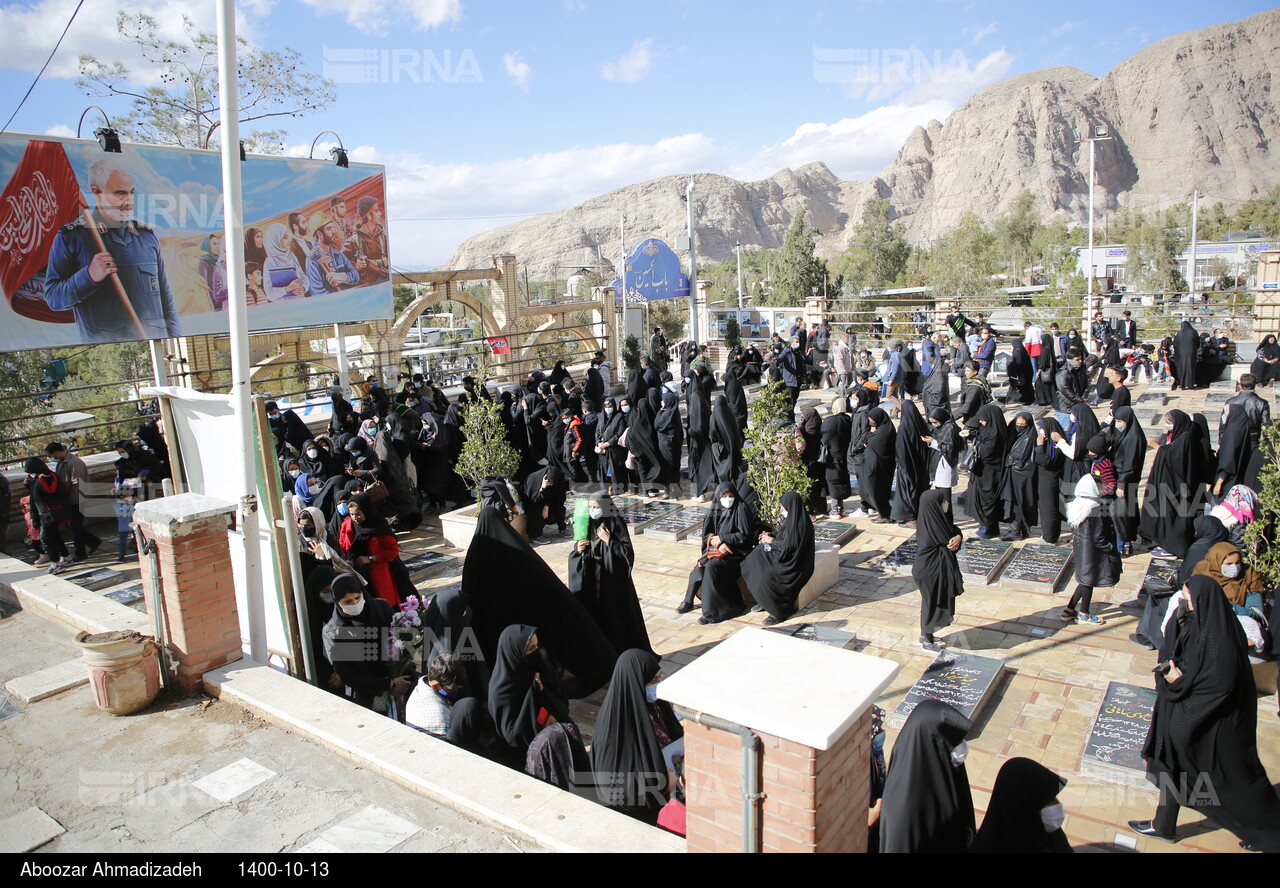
(1240, 256)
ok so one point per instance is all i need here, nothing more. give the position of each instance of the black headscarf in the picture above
(936, 570)
(776, 575)
(1209, 531)
(374, 524)
(726, 441)
(1012, 823)
(927, 804)
(737, 397)
(1086, 426)
(506, 582)
(514, 700)
(1186, 356)
(1128, 448)
(984, 502)
(625, 754)
(912, 463)
(879, 462)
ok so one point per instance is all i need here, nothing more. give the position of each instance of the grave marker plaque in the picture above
(1153, 399)
(640, 516)
(833, 533)
(901, 558)
(960, 680)
(1113, 749)
(1217, 397)
(97, 580)
(674, 528)
(981, 560)
(425, 561)
(1162, 574)
(836, 638)
(1039, 566)
(126, 594)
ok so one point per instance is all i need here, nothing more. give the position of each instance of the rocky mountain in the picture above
(1192, 111)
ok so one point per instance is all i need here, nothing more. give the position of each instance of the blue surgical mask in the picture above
(651, 693)
(342, 509)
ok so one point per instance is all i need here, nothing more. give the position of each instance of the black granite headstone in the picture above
(425, 561)
(1039, 565)
(1217, 397)
(981, 560)
(126, 594)
(833, 533)
(644, 514)
(683, 524)
(1114, 747)
(836, 638)
(960, 680)
(901, 558)
(1153, 399)
(1162, 574)
(96, 580)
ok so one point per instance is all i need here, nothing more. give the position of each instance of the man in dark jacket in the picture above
(959, 356)
(1072, 382)
(1256, 408)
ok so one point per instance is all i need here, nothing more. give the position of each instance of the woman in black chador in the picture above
(1050, 463)
(600, 577)
(879, 462)
(1173, 487)
(1020, 478)
(1202, 748)
(777, 569)
(928, 808)
(913, 464)
(1024, 815)
(1186, 357)
(728, 535)
(936, 570)
(702, 467)
(984, 502)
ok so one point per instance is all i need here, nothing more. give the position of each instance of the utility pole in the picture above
(738, 247)
(1195, 236)
(1097, 133)
(693, 266)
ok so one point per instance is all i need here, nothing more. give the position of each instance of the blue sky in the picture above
(486, 112)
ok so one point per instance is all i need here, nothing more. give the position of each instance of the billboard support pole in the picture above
(238, 322)
(159, 367)
(344, 368)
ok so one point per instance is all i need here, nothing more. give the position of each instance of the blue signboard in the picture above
(652, 274)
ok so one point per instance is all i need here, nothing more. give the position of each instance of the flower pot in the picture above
(124, 670)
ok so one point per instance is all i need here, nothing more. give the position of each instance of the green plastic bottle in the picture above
(581, 519)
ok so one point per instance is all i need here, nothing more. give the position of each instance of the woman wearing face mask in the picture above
(632, 729)
(912, 474)
(1093, 539)
(1202, 748)
(945, 446)
(525, 694)
(702, 467)
(600, 577)
(1173, 488)
(1128, 453)
(729, 533)
(777, 569)
(369, 544)
(1020, 478)
(357, 620)
(927, 805)
(290, 472)
(1050, 462)
(318, 462)
(879, 464)
(1084, 425)
(613, 454)
(1024, 815)
(936, 570)
(984, 502)
(1244, 588)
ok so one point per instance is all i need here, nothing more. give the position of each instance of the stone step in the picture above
(48, 682)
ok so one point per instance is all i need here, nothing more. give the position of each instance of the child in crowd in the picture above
(1163, 355)
(124, 505)
(1140, 362)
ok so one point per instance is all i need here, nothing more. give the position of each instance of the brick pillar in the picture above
(190, 534)
(815, 742)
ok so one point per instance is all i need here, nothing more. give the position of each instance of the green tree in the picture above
(1017, 231)
(25, 416)
(773, 452)
(1154, 245)
(732, 332)
(878, 250)
(797, 271)
(630, 353)
(963, 263)
(486, 452)
(1262, 537)
(1261, 214)
(272, 86)
(672, 315)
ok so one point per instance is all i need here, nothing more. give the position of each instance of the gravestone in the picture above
(806, 404)
(960, 680)
(96, 580)
(1039, 567)
(1218, 397)
(638, 517)
(1113, 750)
(981, 560)
(1153, 399)
(901, 558)
(1162, 572)
(622, 503)
(140, 605)
(425, 561)
(674, 528)
(1155, 424)
(126, 594)
(833, 533)
(836, 638)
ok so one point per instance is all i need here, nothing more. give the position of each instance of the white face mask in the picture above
(596, 514)
(726, 502)
(1168, 427)
(312, 453)
(784, 516)
(608, 411)
(294, 473)
(651, 693)
(1231, 571)
(1121, 426)
(353, 610)
(626, 408)
(1052, 816)
(959, 754)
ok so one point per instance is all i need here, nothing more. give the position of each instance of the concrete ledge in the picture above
(48, 682)
(474, 786)
(62, 602)
(826, 573)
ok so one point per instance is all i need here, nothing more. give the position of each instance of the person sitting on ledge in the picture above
(777, 569)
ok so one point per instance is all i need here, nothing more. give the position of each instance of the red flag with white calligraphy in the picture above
(41, 196)
(499, 345)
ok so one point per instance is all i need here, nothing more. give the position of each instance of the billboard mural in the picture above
(755, 323)
(104, 247)
(653, 273)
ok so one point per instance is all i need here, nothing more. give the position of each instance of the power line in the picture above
(43, 67)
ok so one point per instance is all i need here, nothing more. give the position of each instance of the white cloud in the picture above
(375, 16)
(517, 69)
(978, 33)
(633, 65)
(1065, 28)
(912, 77)
(62, 130)
(574, 5)
(28, 33)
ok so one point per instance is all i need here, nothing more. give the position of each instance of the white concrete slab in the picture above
(790, 688)
(47, 682)
(372, 831)
(28, 830)
(826, 573)
(234, 780)
(320, 846)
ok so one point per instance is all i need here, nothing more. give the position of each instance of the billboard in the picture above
(104, 247)
(653, 274)
(755, 324)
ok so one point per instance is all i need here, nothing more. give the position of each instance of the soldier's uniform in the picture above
(100, 316)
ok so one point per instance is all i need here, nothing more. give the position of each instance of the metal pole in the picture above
(1195, 236)
(344, 366)
(1088, 302)
(693, 266)
(738, 247)
(238, 324)
(159, 367)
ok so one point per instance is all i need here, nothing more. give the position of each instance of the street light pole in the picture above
(738, 247)
(1097, 133)
(693, 266)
